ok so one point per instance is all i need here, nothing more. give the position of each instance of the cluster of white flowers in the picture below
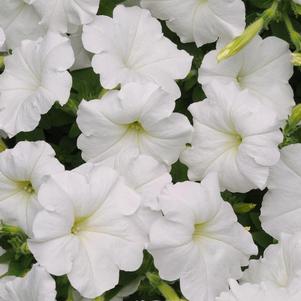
(96, 220)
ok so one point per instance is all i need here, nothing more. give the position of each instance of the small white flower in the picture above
(255, 292)
(138, 116)
(200, 21)
(2, 37)
(61, 15)
(281, 205)
(234, 135)
(199, 239)
(86, 229)
(3, 266)
(280, 265)
(20, 21)
(263, 68)
(37, 285)
(22, 171)
(82, 56)
(35, 77)
(130, 47)
(147, 177)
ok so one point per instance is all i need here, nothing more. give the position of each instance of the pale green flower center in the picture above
(26, 186)
(198, 231)
(78, 224)
(136, 126)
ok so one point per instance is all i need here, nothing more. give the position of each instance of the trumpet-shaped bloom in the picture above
(35, 77)
(263, 68)
(86, 229)
(280, 265)
(147, 177)
(199, 239)
(252, 292)
(200, 21)
(281, 205)
(138, 116)
(234, 135)
(82, 57)
(22, 171)
(130, 47)
(61, 15)
(37, 285)
(20, 21)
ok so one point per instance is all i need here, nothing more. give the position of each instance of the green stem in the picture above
(294, 35)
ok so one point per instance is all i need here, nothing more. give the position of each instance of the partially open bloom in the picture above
(147, 177)
(35, 77)
(130, 47)
(86, 229)
(281, 205)
(258, 292)
(36, 285)
(280, 265)
(22, 171)
(138, 116)
(200, 21)
(82, 56)
(198, 240)
(61, 15)
(20, 21)
(234, 135)
(259, 64)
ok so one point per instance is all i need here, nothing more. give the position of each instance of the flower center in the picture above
(27, 187)
(198, 231)
(136, 126)
(78, 224)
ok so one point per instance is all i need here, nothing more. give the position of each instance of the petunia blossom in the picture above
(3, 266)
(63, 15)
(86, 229)
(36, 285)
(19, 20)
(200, 21)
(22, 171)
(139, 116)
(130, 47)
(35, 77)
(234, 135)
(198, 240)
(281, 206)
(263, 68)
(258, 292)
(146, 176)
(280, 265)
(2, 37)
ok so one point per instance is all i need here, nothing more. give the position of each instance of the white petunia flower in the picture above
(86, 229)
(138, 116)
(281, 207)
(256, 292)
(20, 21)
(82, 56)
(61, 15)
(147, 177)
(35, 77)
(263, 68)
(200, 21)
(234, 135)
(22, 171)
(130, 47)
(199, 239)
(2, 38)
(280, 265)
(3, 266)
(37, 285)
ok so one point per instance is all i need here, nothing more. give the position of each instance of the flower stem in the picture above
(294, 35)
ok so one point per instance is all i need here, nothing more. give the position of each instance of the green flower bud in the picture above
(296, 58)
(295, 118)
